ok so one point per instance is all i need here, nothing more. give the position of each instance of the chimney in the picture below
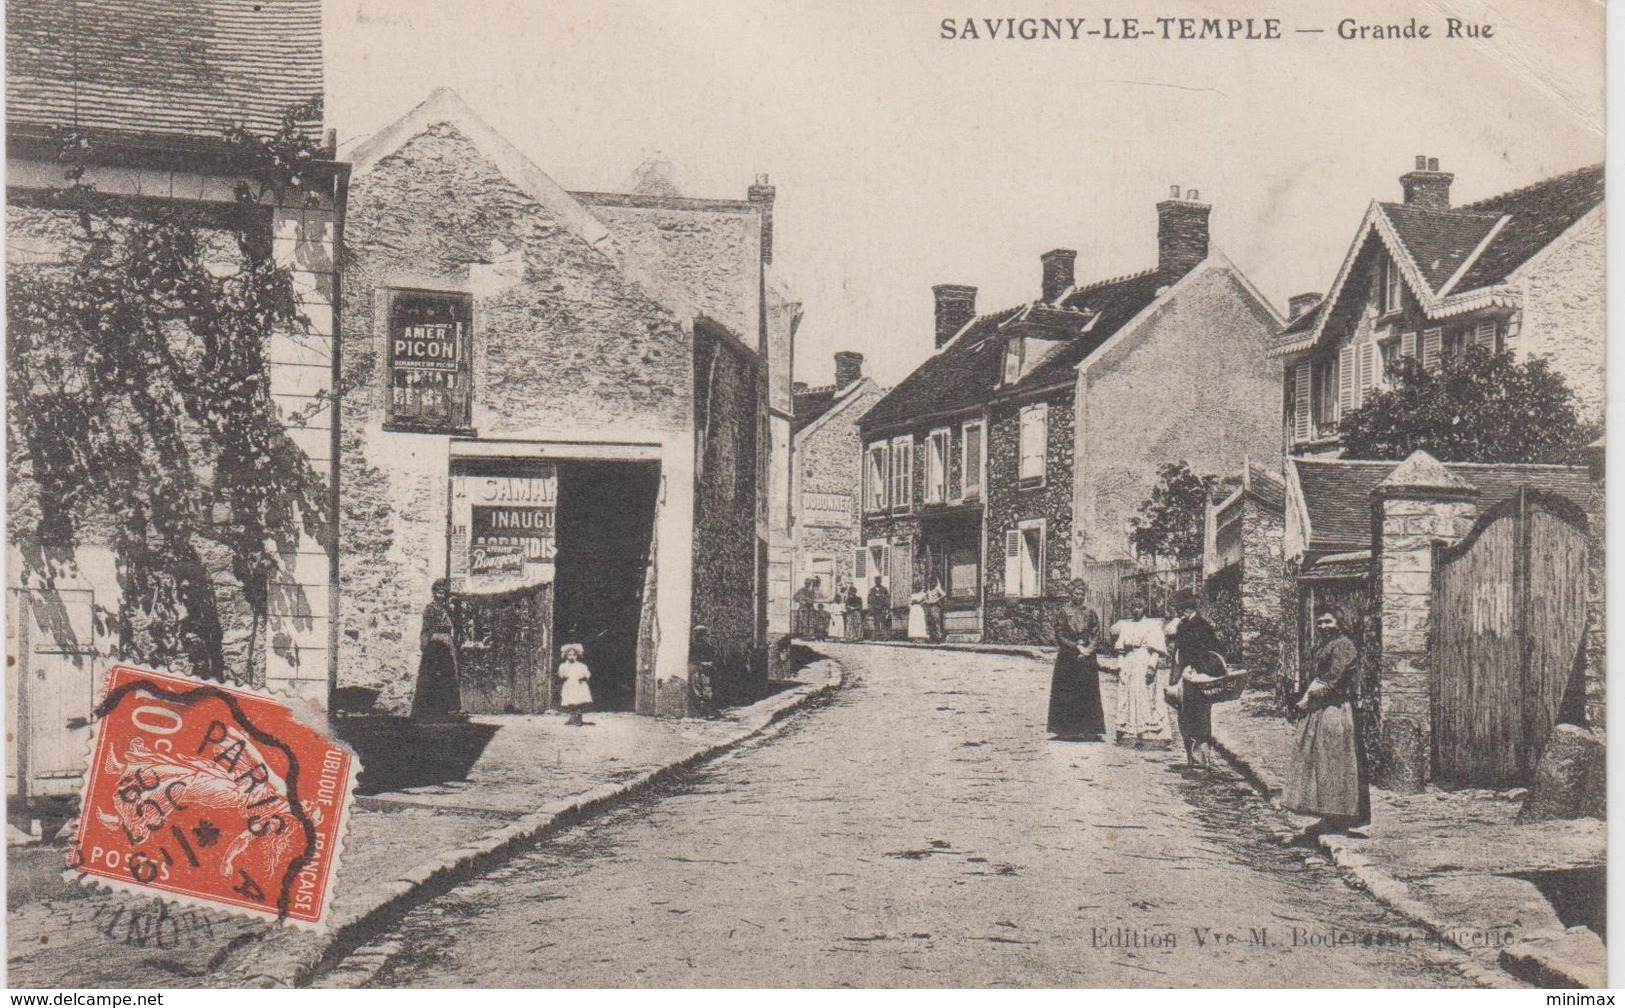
(848, 368)
(1426, 186)
(1181, 233)
(956, 305)
(761, 194)
(1058, 276)
(1297, 304)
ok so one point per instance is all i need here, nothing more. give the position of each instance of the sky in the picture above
(902, 159)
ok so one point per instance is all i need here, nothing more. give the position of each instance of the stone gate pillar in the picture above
(1418, 504)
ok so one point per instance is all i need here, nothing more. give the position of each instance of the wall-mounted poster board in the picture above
(430, 368)
(502, 529)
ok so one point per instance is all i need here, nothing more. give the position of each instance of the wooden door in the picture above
(53, 690)
(1507, 621)
(504, 660)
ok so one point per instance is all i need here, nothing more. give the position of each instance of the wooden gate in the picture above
(1508, 621)
(505, 663)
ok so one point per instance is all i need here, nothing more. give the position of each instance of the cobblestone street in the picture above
(919, 830)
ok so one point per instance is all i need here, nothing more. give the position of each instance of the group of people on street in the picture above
(1141, 642)
(850, 616)
(1327, 775)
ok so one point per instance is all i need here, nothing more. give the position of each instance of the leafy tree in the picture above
(140, 414)
(1170, 520)
(1478, 406)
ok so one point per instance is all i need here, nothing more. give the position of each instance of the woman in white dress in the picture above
(917, 629)
(1140, 645)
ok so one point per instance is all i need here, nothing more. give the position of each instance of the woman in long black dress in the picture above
(436, 696)
(1075, 710)
(1194, 648)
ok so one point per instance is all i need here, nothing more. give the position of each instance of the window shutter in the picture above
(1300, 402)
(901, 557)
(1346, 387)
(883, 563)
(1012, 563)
(1484, 334)
(1368, 371)
(973, 460)
(860, 564)
(1407, 344)
(1036, 588)
(1432, 348)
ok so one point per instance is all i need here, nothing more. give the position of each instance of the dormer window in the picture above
(1393, 287)
(1012, 359)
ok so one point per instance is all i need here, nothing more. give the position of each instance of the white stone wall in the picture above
(1564, 318)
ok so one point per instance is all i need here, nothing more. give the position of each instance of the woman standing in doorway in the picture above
(436, 696)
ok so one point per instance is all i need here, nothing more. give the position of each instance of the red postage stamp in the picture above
(213, 795)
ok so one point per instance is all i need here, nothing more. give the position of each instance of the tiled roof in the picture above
(1439, 241)
(1337, 493)
(173, 68)
(808, 406)
(1540, 213)
(1266, 486)
(969, 370)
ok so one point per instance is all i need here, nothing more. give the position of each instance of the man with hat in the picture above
(1194, 648)
(1075, 710)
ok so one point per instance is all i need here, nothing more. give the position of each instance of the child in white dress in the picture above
(575, 696)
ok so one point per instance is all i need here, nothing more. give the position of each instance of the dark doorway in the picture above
(605, 524)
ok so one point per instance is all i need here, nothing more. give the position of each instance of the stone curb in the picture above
(1383, 887)
(391, 895)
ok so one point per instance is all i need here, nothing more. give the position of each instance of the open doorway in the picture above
(606, 516)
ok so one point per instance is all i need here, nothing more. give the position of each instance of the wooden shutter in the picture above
(1346, 384)
(1368, 371)
(1301, 383)
(901, 560)
(1407, 344)
(1012, 563)
(1484, 334)
(1432, 348)
(883, 564)
(860, 564)
(1034, 440)
(972, 476)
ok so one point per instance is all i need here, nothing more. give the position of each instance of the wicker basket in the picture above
(1227, 687)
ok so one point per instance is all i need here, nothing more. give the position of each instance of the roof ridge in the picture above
(1111, 280)
(1534, 185)
(1462, 210)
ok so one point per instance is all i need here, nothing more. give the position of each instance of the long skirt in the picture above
(854, 624)
(436, 692)
(916, 622)
(1074, 696)
(1324, 776)
(1140, 712)
(1195, 716)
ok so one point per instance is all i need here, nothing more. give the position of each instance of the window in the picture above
(902, 472)
(1392, 285)
(964, 570)
(1024, 560)
(936, 467)
(1325, 396)
(430, 366)
(1432, 348)
(1012, 360)
(875, 475)
(1407, 344)
(901, 582)
(972, 464)
(1358, 369)
(1034, 442)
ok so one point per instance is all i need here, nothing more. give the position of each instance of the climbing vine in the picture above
(140, 410)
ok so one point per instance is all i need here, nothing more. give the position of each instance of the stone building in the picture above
(557, 401)
(1011, 458)
(1243, 564)
(825, 477)
(1522, 271)
(149, 123)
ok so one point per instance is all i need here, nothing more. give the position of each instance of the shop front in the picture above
(951, 556)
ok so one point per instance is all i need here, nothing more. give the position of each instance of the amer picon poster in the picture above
(738, 494)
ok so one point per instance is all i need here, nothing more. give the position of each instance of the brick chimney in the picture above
(1297, 304)
(956, 305)
(1058, 272)
(1181, 232)
(762, 194)
(1426, 186)
(848, 368)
